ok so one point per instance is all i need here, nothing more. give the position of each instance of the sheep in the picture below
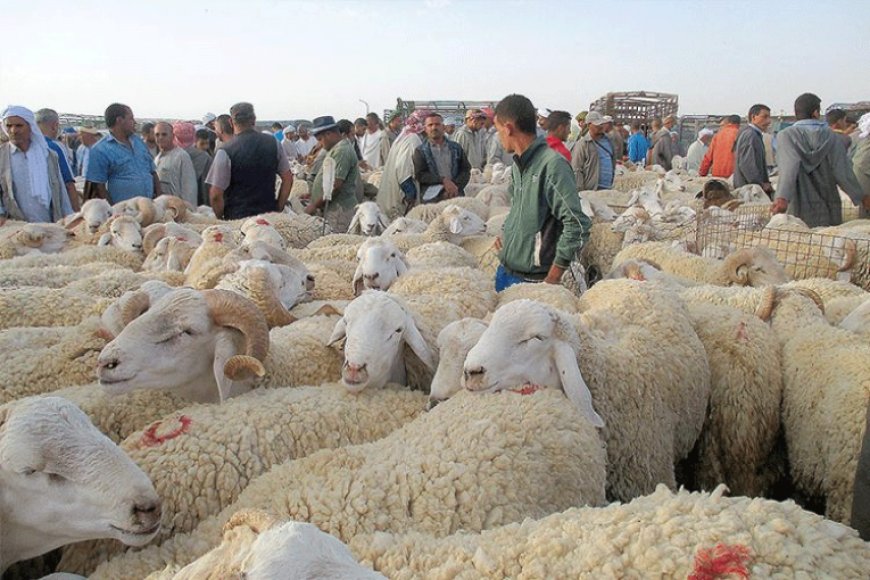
(235, 443)
(368, 220)
(452, 225)
(156, 232)
(653, 410)
(825, 374)
(454, 342)
(472, 463)
(52, 276)
(35, 306)
(430, 211)
(64, 482)
(299, 354)
(405, 225)
(113, 283)
(743, 420)
(93, 214)
(206, 330)
(380, 334)
(440, 255)
(662, 535)
(747, 267)
(273, 288)
(170, 254)
(34, 239)
(124, 233)
(497, 194)
(553, 295)
(298, 230)
(380, 263)
(169, 208)
(838, 309)
(258, 229)
(131, 305)
(218, 241)
(77, 257)
(858, 320)
(257, 546)
(141, 209)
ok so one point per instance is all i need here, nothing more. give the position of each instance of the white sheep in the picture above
(429, 211)
(379, 264)
(205, 329)
(63, 481)
(472, 463)
(859, 319)
(258, 229)
(93, 214)
(652, 413)
(452, 224)
(257, 546)
(274, 288)
(141, 209)
(156, 232)
(368, 220)
(662, 535)
(211, 437)
(30, 239)
(124, 233)
(405, 225)
(75, 257)
(454, 342)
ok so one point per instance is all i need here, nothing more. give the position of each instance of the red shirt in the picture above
(559, 147)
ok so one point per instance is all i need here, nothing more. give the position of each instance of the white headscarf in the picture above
(37, 154)
(864, 125)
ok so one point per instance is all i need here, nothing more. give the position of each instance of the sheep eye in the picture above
(55, 478)
(188, 332)
(398, 330)
(28, 471)
(535, 337)
(393, 255)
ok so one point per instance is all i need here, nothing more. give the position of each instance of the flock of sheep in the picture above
(257, 398)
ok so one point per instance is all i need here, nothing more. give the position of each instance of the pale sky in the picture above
(302, 59)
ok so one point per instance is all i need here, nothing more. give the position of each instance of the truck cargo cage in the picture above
(641, 106)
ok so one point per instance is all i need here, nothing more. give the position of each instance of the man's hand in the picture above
(554, 276)
(865, 203)
(780, 205)
(450, 189)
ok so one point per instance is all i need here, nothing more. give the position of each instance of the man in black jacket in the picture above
(439, 162)
(749, 162)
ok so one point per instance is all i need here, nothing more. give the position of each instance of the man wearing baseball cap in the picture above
(470, 137)
(593, 158)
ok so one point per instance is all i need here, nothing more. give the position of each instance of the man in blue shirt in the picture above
(637, 145)
(120, 166)
(49, 124)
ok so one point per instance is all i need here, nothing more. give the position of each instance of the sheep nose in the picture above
(433, 402)
(137, 246)
(372, 277)
(107, 362)
(147, 513)
(474, 372)
(353, 372)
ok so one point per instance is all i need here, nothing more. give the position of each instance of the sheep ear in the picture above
(338, 332)
(354, 228)
(415, 340)
(358, 286)
(455, 225)
(105, 239)
(402, 265)
(382, 221)
(572, 382)
(74, 221)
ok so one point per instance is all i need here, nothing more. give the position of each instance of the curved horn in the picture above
(155, 233)
(768, 303)
(146, 211)
(178, 208)
(133, 306)
(258, 520)
(211, 279)
(263, 295)
(812, 295)
(735, 267)
(631, 270)
(850, 251)
(235, 311)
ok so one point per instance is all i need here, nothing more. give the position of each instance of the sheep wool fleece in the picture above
(472, 463)
(663, 535)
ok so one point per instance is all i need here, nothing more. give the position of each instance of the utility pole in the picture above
(366, 104)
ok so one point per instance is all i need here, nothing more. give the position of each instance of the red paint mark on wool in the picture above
(721, 562)
(742, 334)
(527, 389)
(262, 222)
(218, 237)
(151, 437)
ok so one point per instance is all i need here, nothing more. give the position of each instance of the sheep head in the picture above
(189, 341)
(380, 263)
(139, 208)
(124, 233)
(94, 213)
(454, 342)
(375, 327)
(259, 229)
(274, 288)
(529, 343)
(368, 220)
(458, 223)
(168, 208)
(63, 481)
(755, 267)
(405, 225)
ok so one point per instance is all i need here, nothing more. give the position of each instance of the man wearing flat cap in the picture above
(242, 175)
(470, 137)
(594, 158)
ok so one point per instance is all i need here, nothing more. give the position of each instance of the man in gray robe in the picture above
(812, 163)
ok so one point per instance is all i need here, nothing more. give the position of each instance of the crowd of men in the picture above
(225, 162)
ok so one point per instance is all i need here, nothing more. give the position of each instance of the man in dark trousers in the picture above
(242, 175)
(749, 163)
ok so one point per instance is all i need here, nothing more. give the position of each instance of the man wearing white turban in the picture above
(698, 149)
(31, 186)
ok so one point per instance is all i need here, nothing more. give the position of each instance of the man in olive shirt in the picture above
(546, 226)
(338, 211)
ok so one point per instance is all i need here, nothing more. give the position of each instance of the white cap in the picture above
(289, 129)
(544, 113)
(704, 132)
(208, 118)
(596, 118)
